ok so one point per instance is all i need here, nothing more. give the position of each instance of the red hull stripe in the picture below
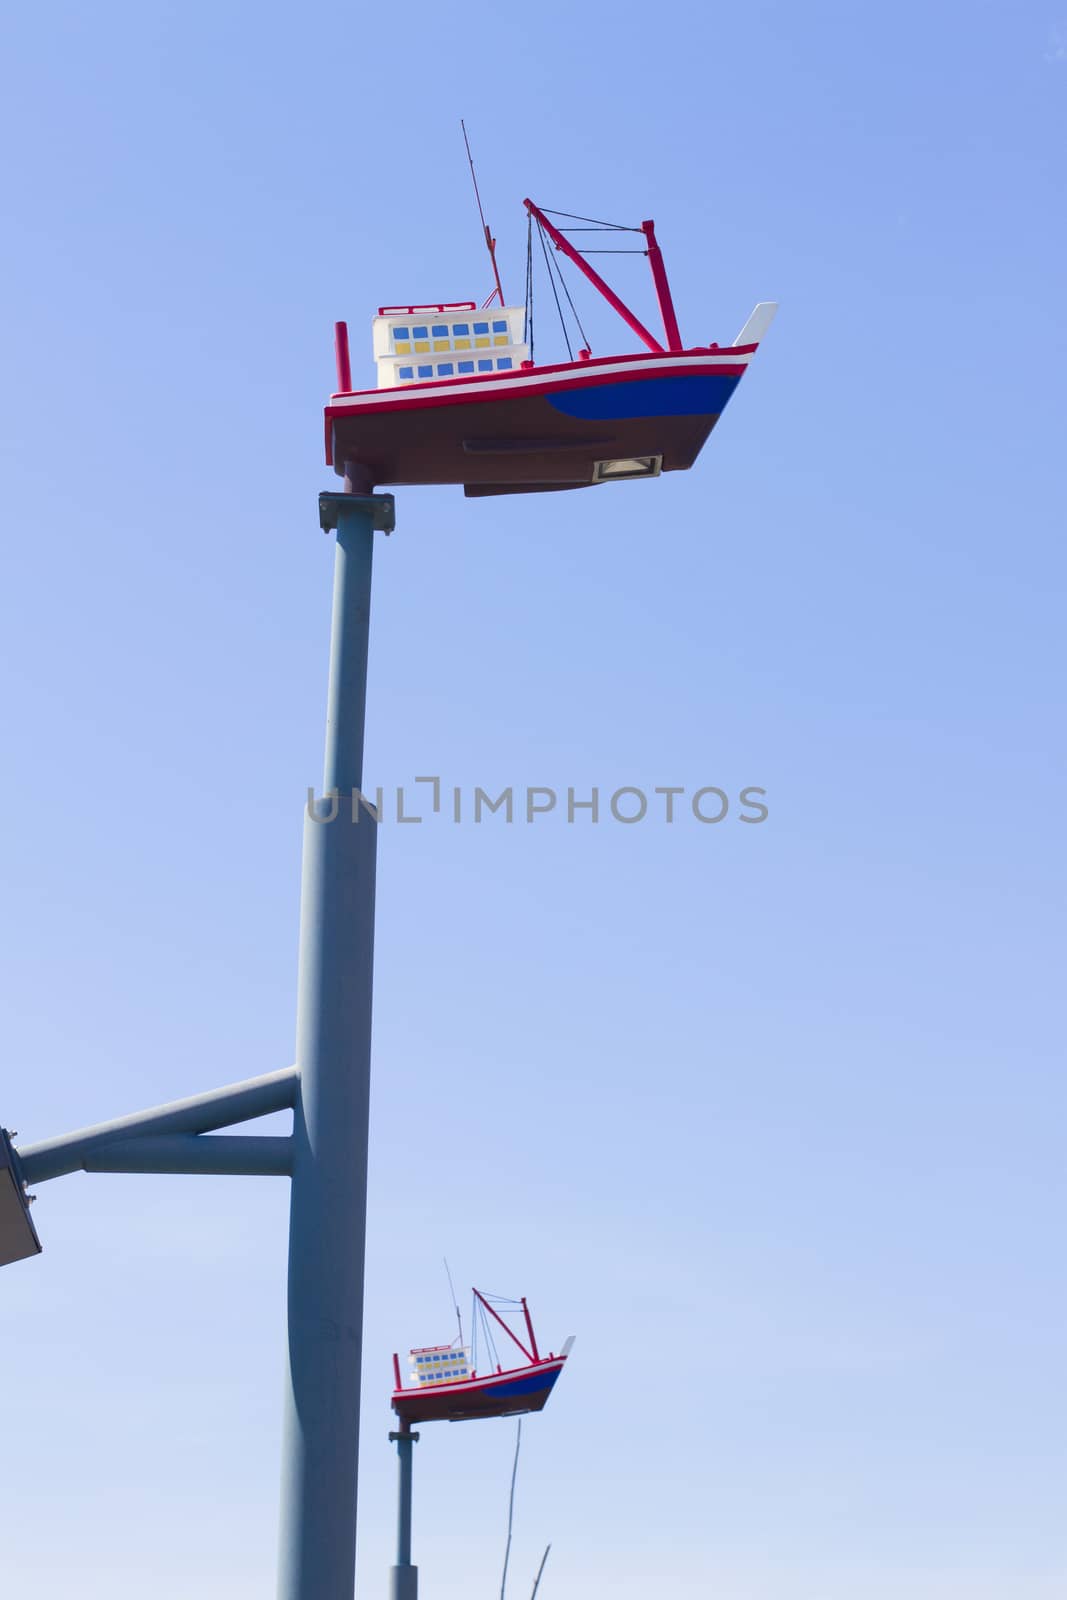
(731, 354)
(727, 352)
(453, 390)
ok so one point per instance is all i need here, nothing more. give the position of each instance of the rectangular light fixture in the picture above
(627, 467)
(18, 1236)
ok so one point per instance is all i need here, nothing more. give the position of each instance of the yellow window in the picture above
(500, 338)
(421, 346)
(481, 343)
(463, 344)
(403, 347)
(441, 344)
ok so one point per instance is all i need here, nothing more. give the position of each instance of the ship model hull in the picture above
(560, 427)
(505, 1394)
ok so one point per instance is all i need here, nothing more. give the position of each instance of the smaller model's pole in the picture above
(663, 288)
(404, 1584)
(529, 1329)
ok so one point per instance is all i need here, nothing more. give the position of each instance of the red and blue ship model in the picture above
(451, 1383)
(460, 398)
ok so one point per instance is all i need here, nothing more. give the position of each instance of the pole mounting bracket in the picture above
(382, 507)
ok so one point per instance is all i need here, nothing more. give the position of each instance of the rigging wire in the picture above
(489, 1339)
(619, 227)
(511, 1507)
(483, 1336)
(555, 293)
(574, 311)
(541, 1568)
(585, 337)
(555, 271)
(455, 1302)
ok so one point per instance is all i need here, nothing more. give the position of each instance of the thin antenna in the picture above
(541, 1568)
(511, 1507)
(455, 1302)
(490, 242)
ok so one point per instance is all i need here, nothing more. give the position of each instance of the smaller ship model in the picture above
(462, 400)
(454, 1383)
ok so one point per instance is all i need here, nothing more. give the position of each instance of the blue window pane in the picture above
(400, 333)
(419, 333)
(445, 370)
(466, 366)
(504, 362)
(481, 327)
(500, 327)
(405, 372)
(439, 331)
(485, 366)
(425, 372)
(461, 329)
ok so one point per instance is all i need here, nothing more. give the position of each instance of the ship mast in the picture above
(490, 242)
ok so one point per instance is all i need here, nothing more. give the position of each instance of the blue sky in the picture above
(770, 1117)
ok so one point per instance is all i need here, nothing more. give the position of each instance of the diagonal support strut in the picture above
(202, 1113)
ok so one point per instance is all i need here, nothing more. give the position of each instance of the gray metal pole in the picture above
(404, 1578)
(237, 1156)
(327, 1224)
